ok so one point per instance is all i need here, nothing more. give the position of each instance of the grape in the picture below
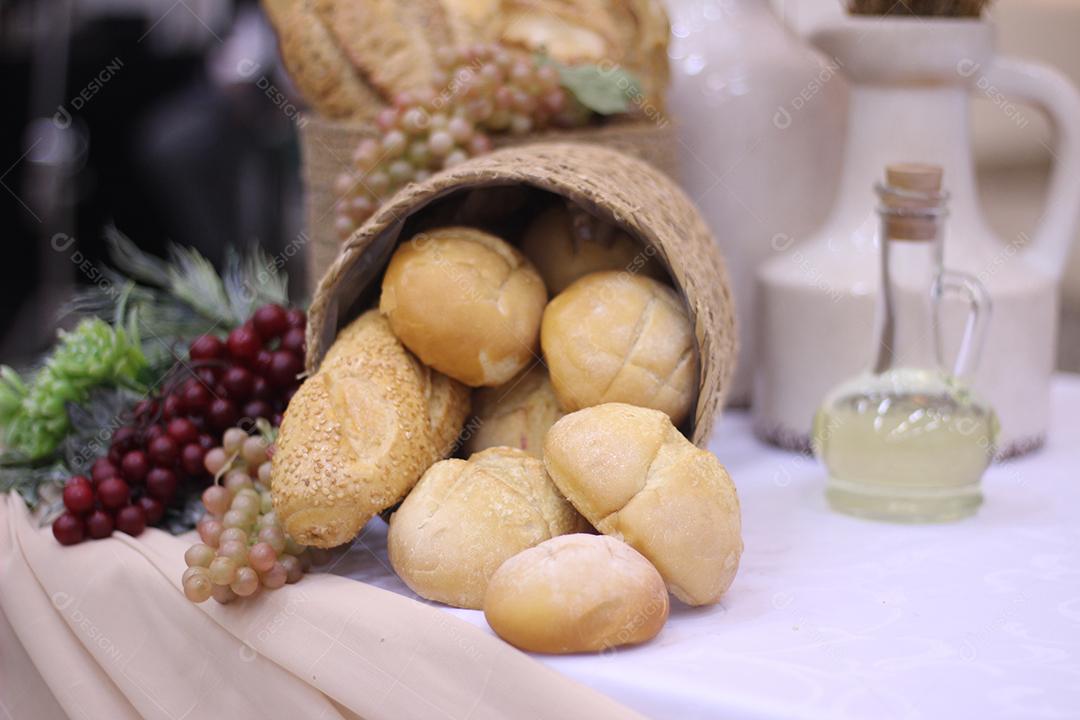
(161, 484)
(237, 480)
(274, 537)
(266, 503)
(239, 383)
(125, 439)
(223, 594)
(78, 496)
(296, 318)
(207, 347)
(293, 570)
(275, 577)
(294, 340)
(191, 459)
(234, 550)
(162, 451)
(99, 524)
(270, 321)
(246, 504)
(210, 531)
(267, 520)
(222, 413)
(154, 509)
(243, 344)
(234, 534)
(215, 498)
(197, 586)
(103, 469)
(233, 440)
(195, 397)
(254, 451)
(199, 555)
(264, 473)
(222, 570)
(246, 582)
(68, 529)
(262, 556)
(284, 367)
(172, 406)
(182, 431)
(258, 409)
(113, 493)
(236, 519)
(131, 519)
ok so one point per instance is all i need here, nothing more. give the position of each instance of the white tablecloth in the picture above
(835, 617)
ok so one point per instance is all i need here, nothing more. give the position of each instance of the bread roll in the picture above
(359, 433)
(465, 517)
(576, 593)
(635, 477)
(466, 302)
(566, 243)
(617, 337)
(517, 414)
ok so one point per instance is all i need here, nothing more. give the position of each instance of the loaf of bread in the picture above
(635, 477)
(576, 593)
(466, 302)
(517, 414)
(359, 433)
(466, 517)
(566, 243)
(618, 337)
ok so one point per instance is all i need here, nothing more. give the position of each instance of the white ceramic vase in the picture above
(760, 117)
(912, 82)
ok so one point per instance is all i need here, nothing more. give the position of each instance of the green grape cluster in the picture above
(95, 353)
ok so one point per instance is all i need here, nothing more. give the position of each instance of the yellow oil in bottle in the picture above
(906, 445)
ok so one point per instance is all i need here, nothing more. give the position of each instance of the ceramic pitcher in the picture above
(912, 83)
(760, 116)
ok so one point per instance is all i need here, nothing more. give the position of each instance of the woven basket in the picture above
(608, 184)
(327, 147)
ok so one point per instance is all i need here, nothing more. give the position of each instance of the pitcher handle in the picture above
(1052, 92)
(979, 306)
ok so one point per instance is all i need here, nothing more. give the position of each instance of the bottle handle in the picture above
(1051, 91)
(979, 308)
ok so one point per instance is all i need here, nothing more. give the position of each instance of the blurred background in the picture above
(173, 121)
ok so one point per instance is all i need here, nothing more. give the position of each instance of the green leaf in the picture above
(607, 91)
(135, 263)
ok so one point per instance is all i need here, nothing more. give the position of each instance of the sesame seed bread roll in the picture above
(466, 517)
(617, 337)
(359, 433)
(576, 593)
(567, 243)
(635, 477)
(466, 302)
(517, 414)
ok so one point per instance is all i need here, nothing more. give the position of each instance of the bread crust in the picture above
(576, 593)
(465, 518)
(635, 477)
(517, 414)
(359, 433)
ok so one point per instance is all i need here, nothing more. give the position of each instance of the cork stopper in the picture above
(910, 188)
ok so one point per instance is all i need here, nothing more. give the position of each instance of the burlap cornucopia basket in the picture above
(327, 148)
(609, 185)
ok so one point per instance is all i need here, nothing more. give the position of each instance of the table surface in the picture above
(837, 617)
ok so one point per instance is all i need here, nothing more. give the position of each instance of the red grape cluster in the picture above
(251, 374)
(480, 90)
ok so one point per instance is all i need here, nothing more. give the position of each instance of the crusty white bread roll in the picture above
(576, 593)
(466, 517)
(359, 433)
(517, 414)
(635, 477)
(566, 243)
(618, 337)
(466, 302)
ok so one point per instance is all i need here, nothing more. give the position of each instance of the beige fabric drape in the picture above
(102, 630)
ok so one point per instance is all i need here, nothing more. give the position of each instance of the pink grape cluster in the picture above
(480, 90)
(243, 547)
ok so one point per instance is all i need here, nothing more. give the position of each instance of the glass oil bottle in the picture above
(908, 441)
